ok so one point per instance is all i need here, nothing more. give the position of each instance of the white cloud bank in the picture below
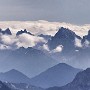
(27, 40)
(57, 49)
(43, 27)
(23, 40)
(36, 28)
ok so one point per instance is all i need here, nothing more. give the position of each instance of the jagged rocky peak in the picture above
(23, 31)
(7, 31)
(64, 32)
(64, 37)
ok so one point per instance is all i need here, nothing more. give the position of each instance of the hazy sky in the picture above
(72, 11)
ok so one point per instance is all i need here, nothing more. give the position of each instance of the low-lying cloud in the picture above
(78, 42)
(58, 49)
(23, 40)
(27, 40)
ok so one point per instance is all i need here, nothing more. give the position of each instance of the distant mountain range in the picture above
(58, 75)
(81, 82)
(14, 76)
(72, 50)
(27, 60)
(45, 62)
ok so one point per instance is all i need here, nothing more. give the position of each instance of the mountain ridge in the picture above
(55, 76)
(80, 82)
(14, 76)
(28, 58)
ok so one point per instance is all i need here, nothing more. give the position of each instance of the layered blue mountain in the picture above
(3, 86)
(23, 31)
(81, 82)
(5, 32)
(30, 61)
(14, 76)
(59, 75)
(22, 86)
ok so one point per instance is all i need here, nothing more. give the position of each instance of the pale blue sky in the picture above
(72, 11)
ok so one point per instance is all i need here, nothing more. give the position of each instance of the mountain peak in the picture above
(13, 71)
(57, 76)
(64, 32)
(23, 31)
(7, 31)
(64, 65)
(14, 76)
(64, 37)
